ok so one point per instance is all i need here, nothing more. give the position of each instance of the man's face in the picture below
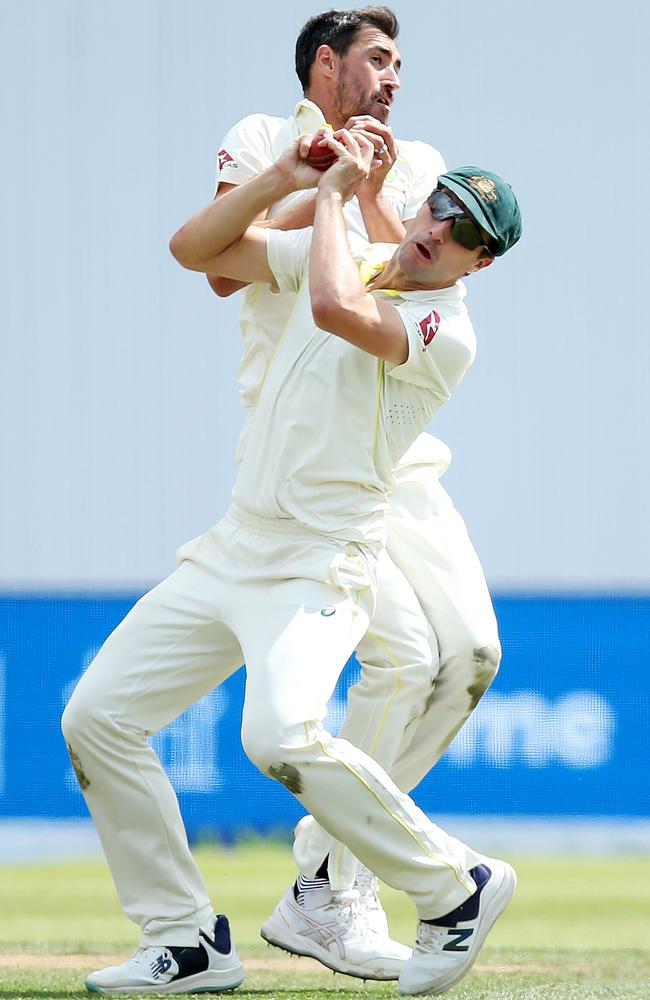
(368, 76)
(430, 255)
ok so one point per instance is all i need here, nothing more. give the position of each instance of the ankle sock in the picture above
(302, 886)
(469, 909)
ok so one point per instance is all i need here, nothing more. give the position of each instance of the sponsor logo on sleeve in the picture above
(224, 157)
(429, 327)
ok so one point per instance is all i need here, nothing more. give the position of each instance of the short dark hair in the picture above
(338, 29)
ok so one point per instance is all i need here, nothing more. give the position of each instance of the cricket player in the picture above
(286, 581)
(422, 674)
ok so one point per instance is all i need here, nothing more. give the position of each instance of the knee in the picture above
(84, 716)
(76, 725)
(73, 719)
(484, 660)
(277, 755)
(261, 746)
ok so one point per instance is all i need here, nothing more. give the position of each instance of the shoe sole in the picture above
(190, 984)
(495, 904)
(293, 944)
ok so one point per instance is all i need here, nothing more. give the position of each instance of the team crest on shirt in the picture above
(224, 157)
(429, 327)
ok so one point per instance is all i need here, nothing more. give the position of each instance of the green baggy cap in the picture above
(490, 200)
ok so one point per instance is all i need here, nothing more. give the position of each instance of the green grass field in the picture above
(577, 929)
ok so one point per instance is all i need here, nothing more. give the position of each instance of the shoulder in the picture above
(441, 318)
(442, 315)
(257, 124)
(420, 155)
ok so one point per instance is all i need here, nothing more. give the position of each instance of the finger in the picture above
(366, 122)
(349, 140)
(303, 143)
(377, 140)
(367, 149)
(322, 133)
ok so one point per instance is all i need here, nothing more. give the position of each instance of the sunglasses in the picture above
(464, 230)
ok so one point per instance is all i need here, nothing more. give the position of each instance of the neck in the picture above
(325, 101)
(393, 278)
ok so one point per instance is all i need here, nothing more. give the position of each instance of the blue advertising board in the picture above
(563, 731)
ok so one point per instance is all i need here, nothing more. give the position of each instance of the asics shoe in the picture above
(211, 968)
(329, 927)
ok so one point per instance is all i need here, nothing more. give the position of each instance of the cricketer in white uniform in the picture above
(422, 673)
(286, 581)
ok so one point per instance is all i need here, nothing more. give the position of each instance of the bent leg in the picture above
(399, 660)
(167, 653)
(294, 658)
(428, 540)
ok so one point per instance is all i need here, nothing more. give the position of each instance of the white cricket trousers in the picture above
(294, 606)
(430, 653)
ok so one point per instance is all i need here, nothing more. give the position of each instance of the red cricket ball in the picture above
(320, 157)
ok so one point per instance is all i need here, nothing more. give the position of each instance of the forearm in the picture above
(297, 216)
(382, 223)
(334, 280)
(212, 230)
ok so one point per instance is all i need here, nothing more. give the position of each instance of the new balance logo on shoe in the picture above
(444, 951)
(162, 965)
(457, 937)
(212, 967)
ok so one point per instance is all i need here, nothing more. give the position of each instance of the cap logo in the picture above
(484, 186)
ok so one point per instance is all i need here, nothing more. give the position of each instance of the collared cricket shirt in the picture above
(331, 420)
(252, 145)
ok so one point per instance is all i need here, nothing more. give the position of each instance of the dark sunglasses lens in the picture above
(467, 234)
(444, 207)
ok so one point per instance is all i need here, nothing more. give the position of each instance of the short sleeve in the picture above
(288, 257)
(441, 349)
(246, 149)
(427, 165)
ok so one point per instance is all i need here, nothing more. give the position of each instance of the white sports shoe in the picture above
(444, 952)
(330, 928)
(371, 909)
(211, 968)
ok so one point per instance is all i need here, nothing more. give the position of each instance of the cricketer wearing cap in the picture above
(286, 581)
(422, 673)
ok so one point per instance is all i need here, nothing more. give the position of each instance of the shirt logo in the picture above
(484, 186)
(224, 157)
(429, 327)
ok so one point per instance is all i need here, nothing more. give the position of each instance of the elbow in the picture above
(320, 310)
(223, 287)
(179, 247)
(328, 313)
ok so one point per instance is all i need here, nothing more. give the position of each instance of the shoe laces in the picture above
(368, 886)
(348, 907)
(430, 938)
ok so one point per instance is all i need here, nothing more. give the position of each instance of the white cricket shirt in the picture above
(252, 145)
(332, 421)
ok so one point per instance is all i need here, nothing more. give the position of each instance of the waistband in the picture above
(286, 526)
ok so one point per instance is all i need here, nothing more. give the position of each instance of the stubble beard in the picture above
(350, 103)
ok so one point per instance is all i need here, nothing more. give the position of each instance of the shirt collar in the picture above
(309, 114)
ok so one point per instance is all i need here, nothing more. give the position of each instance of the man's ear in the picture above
(480, 264)
(325, 60)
